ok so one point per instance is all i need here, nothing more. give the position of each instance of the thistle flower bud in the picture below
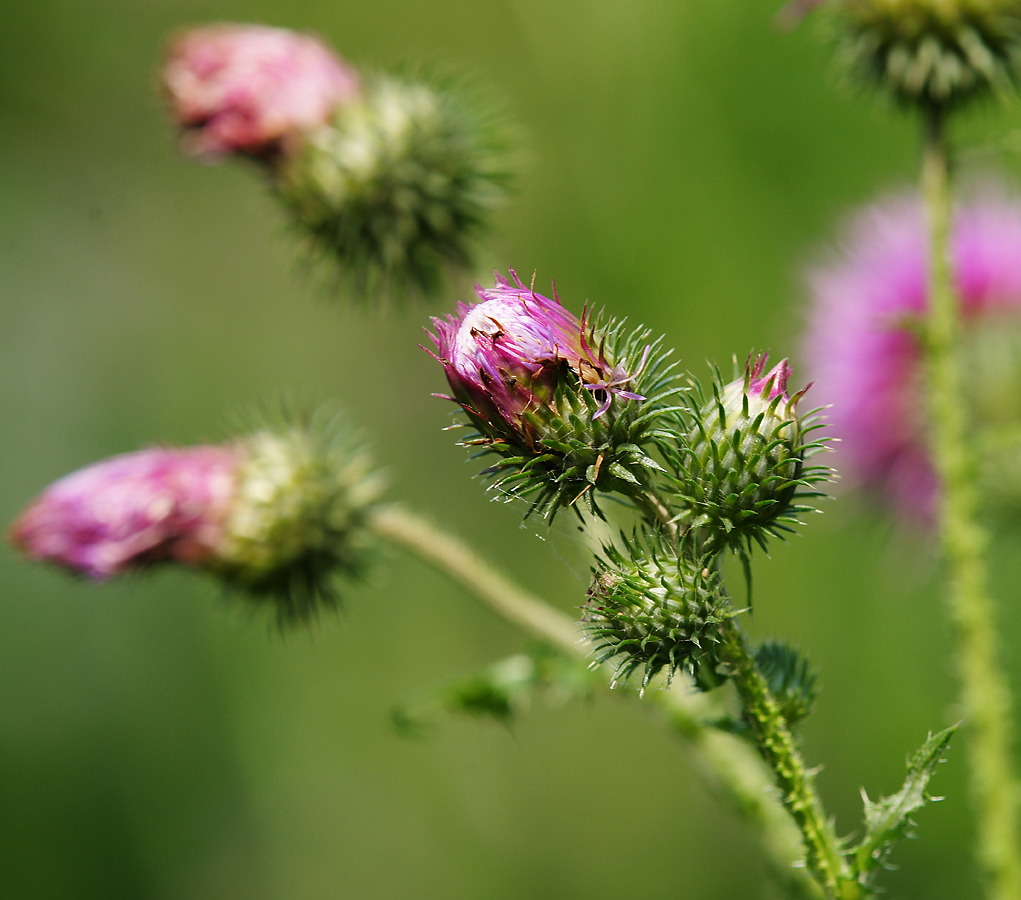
(396, 190)
(652, 609)
(742, 463)
(253, 90)
(569, 405)
(275, 513)
(931, 52)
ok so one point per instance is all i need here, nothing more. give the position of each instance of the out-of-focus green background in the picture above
(155, 742)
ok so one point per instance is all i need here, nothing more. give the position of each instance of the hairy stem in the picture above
(727, 762)
(777, 746)
(985, 695)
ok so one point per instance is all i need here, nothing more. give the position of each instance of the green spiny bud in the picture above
(298, 515)
(742, 464)
(931, 52)
(396, 188)
(652, 609)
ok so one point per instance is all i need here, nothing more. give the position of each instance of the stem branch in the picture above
(727, 762)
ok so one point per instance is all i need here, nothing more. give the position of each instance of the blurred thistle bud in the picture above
(742, 464)
(277, 514)
(390, 179)
(569, 405)
(931, 53)
(400, 185)
(650, 608)
(253, 90)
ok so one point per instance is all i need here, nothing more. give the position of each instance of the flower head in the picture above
(250, 89)
(862, 342)
(504, 357)
(559, 397)
(132, 510)
(276, 513)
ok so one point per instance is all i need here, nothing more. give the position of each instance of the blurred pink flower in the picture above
(248, 88)
(861, 344)
(132, 509)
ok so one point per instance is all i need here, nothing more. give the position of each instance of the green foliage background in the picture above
(687, 159)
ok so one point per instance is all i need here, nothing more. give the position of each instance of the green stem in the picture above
(985, 695)
(777, 746)
(726, 761)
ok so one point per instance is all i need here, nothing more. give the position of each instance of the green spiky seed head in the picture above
(651, 609)
(396, 188)
(742, 464)
(297, 519)
(791, 680)
(931, 52)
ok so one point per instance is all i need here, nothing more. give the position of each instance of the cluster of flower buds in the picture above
(571, 407)
(933, 53)
(391, 178)
(277, 514)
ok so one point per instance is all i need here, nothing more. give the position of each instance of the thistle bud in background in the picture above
(931, 53)
(253, 90)
(277, 514)
(651, 609)
(742, 463)
(570, 406)
(390, 179)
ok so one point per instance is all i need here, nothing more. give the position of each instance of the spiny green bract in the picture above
(741, 467)
(790, 678)
(574, 455)
(298, 520)
(398, 187)
(652, 609)
(931, 52)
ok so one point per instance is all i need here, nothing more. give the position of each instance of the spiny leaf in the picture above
(888, 820)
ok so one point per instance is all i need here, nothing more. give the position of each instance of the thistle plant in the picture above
(391, 178)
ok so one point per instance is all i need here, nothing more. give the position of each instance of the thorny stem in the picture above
(727, 763)
(777, 746)
(985, 695)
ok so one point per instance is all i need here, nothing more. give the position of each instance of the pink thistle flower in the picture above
(505, 356)
(251, 89)
(132, 510)
(862, 342)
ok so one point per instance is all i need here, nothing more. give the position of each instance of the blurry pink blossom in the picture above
(248, 88)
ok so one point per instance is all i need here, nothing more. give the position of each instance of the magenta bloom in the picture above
(132, 509)
(861, 343)
(248, 88)
(503, 358)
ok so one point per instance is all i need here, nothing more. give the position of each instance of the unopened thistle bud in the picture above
(742, 464)
(570, 406)
(932, 53)
(400, 185)
(651, 609)
(276, 514)
(389, 178)
(252, 90)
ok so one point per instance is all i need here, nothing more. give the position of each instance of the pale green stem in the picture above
(985, 694)
(727, 762)
(778, 748)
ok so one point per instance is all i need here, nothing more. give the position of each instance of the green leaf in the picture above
(888, 820)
